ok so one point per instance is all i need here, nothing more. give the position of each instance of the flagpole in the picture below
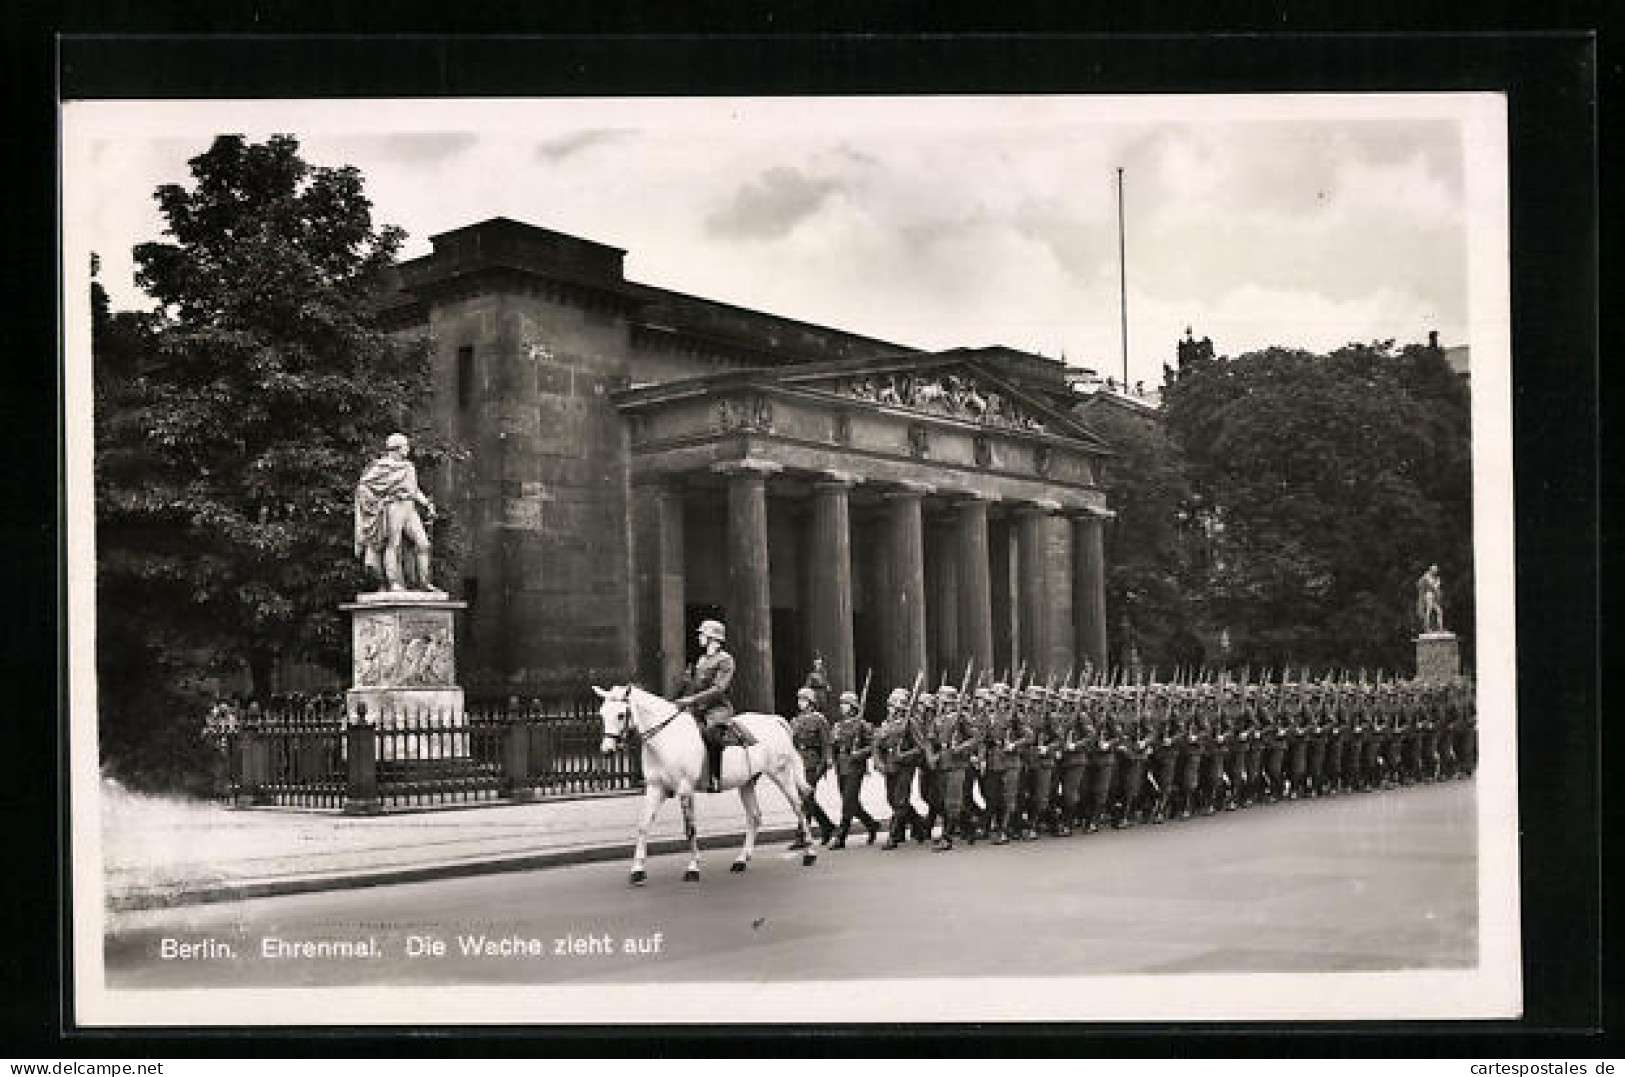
(1122, 275)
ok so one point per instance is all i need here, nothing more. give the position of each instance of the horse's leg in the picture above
(786, 777)
(692, 874)
(653, 797)
(753, 820)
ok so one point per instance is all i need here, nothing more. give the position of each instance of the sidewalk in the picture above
(159, 852)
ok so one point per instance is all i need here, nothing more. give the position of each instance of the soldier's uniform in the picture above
(1192, 751)
(704, 692)
(953, 744)
(976, 719)
(1217, 782)
(1135, 754)
(920, 731)
(897, 755)
(1073, 757)
(1040, 760)
(1331, 771)
(1008, 737)
(1315, 765)
(1403, 734)
(1164, 752)
(1274, 735)
(854, 744)
(1297, 748)
(1102, 762)
(1254, 739)
(810, 733)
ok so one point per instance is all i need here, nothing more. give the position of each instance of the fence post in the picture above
(516, 761)
(361, 765)
(255, 761)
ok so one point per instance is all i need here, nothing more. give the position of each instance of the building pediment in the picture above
(954, 386)
(944, 421)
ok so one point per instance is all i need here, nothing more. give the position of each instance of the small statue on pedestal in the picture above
(387, 500)
(1430, 600)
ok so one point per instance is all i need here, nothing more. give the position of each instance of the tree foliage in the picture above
(232, 421)
(1329, 484)
(1152, 549)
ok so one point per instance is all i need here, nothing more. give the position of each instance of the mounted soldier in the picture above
(704, 692)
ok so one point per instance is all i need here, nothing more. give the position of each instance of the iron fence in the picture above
(309, 753)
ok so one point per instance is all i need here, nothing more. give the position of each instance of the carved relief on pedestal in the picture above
(943, 394)
(843, 428)
(1041, 459)
(983, 449)
(375, 648)
(425, 656)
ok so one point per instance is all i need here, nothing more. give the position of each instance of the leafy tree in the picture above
(231, 425)
(1330, 483)
(1151, 550)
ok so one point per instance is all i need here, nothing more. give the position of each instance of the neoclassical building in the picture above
(642, 459)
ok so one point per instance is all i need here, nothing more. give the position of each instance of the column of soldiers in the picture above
(1005, 762)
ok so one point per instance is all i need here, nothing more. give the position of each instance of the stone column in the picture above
(1032, 586)
(975, 582)
(1058, 595)
(831, 582)
(672, 603)
(904, 604)
(750, 599)
(1089, 586)
(942, 603)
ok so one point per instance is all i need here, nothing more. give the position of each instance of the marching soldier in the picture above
(1315, 739)
(1218, 791)
(1165, 753)
(953, 743)
(1331, 779)
(1134, 752)
(1297, 743)
(1276, 736)
(810, 733)
(976, 719)
(1192, 751)
(1102, 759)
(1008, 737)
(898, 757)
(1073, 757)
(922, 726)
(1254, 737)
(1040, 760)
(854, 744)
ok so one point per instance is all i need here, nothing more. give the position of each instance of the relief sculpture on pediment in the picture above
(946, 394)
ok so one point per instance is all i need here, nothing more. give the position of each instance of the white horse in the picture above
(674, 765)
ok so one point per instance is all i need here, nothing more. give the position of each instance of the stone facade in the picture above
(642, 458)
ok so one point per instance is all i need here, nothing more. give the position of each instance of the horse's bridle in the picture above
(654, 731)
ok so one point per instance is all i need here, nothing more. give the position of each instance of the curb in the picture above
(213, 893)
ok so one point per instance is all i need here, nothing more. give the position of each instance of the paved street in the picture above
(1376, 881)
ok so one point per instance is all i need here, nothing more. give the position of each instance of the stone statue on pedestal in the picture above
(387, 500)
(1430, 600)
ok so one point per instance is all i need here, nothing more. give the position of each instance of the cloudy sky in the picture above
(930, 222)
